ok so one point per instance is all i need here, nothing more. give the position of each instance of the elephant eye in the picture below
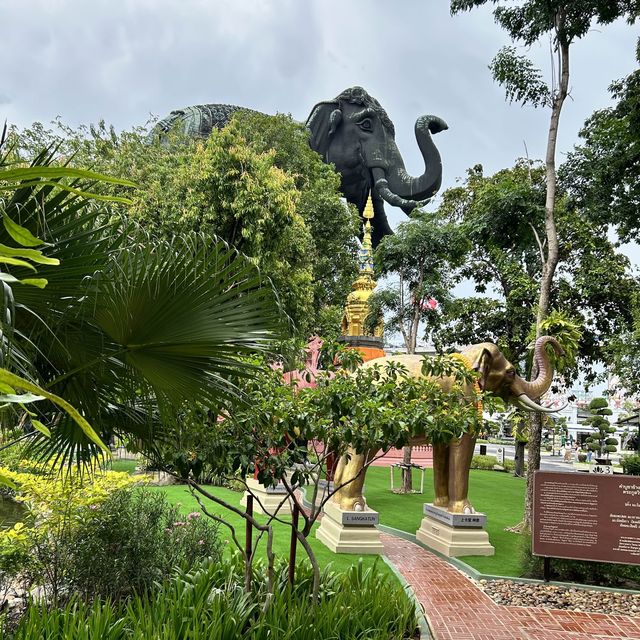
(511, 373)
(365, 124)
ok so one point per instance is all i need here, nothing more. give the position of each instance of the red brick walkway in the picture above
(458, 610)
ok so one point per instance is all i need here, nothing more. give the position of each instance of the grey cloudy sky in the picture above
(119, 60)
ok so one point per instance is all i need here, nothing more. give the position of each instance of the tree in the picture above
(625, 350)
(370, 409)
(128, 328)
(592, 288)
(332, 224)
(601, 174)
(498, 215)
(601, 441)
(255, 184)
(565, 21)
(424, 254)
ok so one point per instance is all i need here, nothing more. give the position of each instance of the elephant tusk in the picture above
(527, 403)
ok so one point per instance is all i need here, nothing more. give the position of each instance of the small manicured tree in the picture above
(601, 441)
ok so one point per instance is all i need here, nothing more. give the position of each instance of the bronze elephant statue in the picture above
(354, 133)
(451, 461)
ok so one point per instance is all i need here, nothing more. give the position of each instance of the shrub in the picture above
(56, 499)
(580, 571)
(148, 537)
(125, 544)
(100, 535)
(631, 465)
(56, 505)
(14, 556)
(209, 602)
(483, 462)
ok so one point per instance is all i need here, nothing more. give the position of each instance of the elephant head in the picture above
(355, 134)
(499, 376)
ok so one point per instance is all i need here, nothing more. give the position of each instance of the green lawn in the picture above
(179, 494)
(126, 466)
(499, 495)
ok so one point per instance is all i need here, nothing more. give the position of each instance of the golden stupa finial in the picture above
(366, 254)
(368, 209)
(357, 308)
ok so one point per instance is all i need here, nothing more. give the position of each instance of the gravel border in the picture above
(549, 596)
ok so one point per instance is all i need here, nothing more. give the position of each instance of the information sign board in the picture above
(500, 455)
(587, 516)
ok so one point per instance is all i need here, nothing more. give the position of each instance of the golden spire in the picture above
(366, 254)
(357, 309)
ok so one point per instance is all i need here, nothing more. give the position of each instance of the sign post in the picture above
(500, 456)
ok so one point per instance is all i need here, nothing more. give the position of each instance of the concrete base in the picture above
(349, 538)
(270, 498)
(454, 541)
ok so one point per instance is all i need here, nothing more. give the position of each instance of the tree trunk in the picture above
(519, 470)
(550, 263)
(407, 476)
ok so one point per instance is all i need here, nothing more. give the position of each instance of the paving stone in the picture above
(458, 609)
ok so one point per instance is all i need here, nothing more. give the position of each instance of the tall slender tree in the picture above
(526, 22)
(424, 254)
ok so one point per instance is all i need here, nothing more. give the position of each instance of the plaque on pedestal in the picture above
(470, 520)
(454, 534)
(349, 531)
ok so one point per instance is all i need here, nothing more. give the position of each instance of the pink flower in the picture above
(431, 303)
(200, 542)
(193, 514)
(179, 523)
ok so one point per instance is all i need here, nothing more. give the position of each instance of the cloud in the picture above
(85, 61)
(4, 99)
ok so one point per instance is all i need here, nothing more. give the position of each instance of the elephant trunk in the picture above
(414, 189)
(541, 384)
(381, 185)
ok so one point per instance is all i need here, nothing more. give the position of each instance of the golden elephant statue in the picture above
(452, 460)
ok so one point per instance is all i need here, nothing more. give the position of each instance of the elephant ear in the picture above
(321, 123)
(482, 366)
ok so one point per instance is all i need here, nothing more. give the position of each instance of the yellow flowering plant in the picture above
(56, 503)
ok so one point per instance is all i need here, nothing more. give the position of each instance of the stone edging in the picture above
(423, 623)
(476, 575)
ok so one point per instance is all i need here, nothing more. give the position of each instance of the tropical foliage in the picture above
(255, 184)
(209, 602)
(128, 326)
(592, 292)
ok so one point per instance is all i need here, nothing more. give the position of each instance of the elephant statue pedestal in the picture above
(349, 531)
(454, 534)
(267, 499)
